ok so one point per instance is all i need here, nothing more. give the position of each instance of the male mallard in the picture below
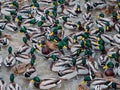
(13, 85)
(116, 38)
(11, 26)
(10, 59)
(87, 16)
(45, 83)
(2, 84)
(30, 72)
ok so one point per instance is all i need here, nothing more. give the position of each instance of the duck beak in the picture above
(116, 6)
(28, 24)
(105, 67)
(51, 33)
(98, 17)
(50, 13)
(64, 47)
(98, 38)
(40, 45)
(86, 30)
(33, 7)
(62, 28)
(74, 40)
(97, 29)
(51, 4)
(107, 28)
(81, 38)
(110, 55)
(16, 20)
(78, 9)
(83, 82)
(118, 16)
(11, 5)
(96, 43)
(55, 40)
(32, 81)
(29, 15)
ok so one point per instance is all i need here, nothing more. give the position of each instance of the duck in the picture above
(4, 42)
(47, 83)
(88, 6)
(70, 25)
(117, 27)
(68, 73)
(59, 65)
(25, 48)
(30, 72)
(116, 38)
(2, 84)
(10, 59)
(11, 27)
(20, 68)
(13, 85)
(87, 16)
(99, 5)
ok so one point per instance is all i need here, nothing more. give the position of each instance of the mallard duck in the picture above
(45, 83)
(4, 42)
(10, 59)
(117, 27)
(87, 16)
(11, 26)
(88, 6)
(21, 68)
(70, 25)
(2, 84)
(60, 65)
(13, 85)
(89, 24)
(99, 5)
(116, 38)
(24, 49)
(30, 72)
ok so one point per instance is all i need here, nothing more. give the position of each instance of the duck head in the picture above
(15, 3)
(40, 23)
(75, 38)
(8, 18)
(73, 61)
(109, 65)
(101, 15)
(115, 56)
(61, 2)
(36, 81)
(32, 50)
(12, 78)
(86, 79)
(32, 61)
(107, 26)
(24, 40)
(23, 29)
(54, 57)
(101, 29)
(88, 52)
(10, 50)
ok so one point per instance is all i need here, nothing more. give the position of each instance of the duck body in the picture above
(4, 42)
(11, 27)
(116, 38)
(24, 58)
(9, 60)
(67, 74)
(2, 84)
(82, 70)
(13, 86)
(30, 73)
(70, 25)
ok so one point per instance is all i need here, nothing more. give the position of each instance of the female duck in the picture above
(12, 85)
(10, 59)
(45, 83)
(30, 72)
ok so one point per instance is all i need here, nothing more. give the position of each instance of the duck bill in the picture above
(83, 82)
(105, 67)
(64, 47)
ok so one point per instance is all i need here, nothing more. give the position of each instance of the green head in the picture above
(101, 29)
(88, 52)
(55, 3)
(54, 13)
(32, 50)
(88, 43)
(15, 3)
(40, 23)
(57, 21)
(79, 23)
(101, 15)
(12, 78)
(102, 47)
(13, 12)
(78, 52)
(54, 57)
(33, 21)
(110, 64)
(25, 40)
(34, 1)
(83, 61)
(114, 85)
(107, 23)
(36, 4)
(20, 18)
(47, 12)
(114, 14)
(87, 78)
(61, 1)
(32, 61)
(87, 27)
(7, 17)
(43, 18)
(115, 56)
(59, 27)
(82, 44)
(73, 61)
(65, 39)
(65, 19)
(101, 41)
(10, 50)
(85, 35)
(23, 29)
(36, 79)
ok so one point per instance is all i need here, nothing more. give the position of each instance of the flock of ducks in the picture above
(73, 55)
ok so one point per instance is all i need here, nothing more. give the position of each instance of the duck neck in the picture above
(37, 84)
